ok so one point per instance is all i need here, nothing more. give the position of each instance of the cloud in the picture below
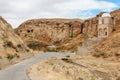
(17, 11)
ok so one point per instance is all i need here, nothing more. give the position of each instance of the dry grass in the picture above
(78, 69)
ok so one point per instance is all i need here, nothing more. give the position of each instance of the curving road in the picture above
(18, 71)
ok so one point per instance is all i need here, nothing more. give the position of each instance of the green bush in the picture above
(9, 44)
(80, 78)
(34, 45)
(0, 57)
(10, 56)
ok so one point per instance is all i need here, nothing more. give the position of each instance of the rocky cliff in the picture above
(61, 32)
(49, 31)
(116, 15)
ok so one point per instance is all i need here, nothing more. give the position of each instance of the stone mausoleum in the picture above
(105, 25)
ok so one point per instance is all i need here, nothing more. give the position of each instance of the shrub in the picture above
(117, 54)
(9, 44)
(80, 78)
(49, 50)
(34, 45)
(19, 45)
(51, 64)
(10, 56)
(81, 43)
(27, 50)
(57, 42)
(5, 35)
(96, 55)
(0, 57)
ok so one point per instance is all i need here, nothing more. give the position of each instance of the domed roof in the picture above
(106, 15)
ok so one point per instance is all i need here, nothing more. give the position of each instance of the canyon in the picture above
(67, 35)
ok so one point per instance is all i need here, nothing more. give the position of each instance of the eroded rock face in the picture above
(51, 31)
(90, 27)
(116, 15)
(10, 43)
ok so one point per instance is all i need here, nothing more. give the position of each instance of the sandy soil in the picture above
(77, 68)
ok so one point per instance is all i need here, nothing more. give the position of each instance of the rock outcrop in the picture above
(90, 27)
(116, 15)
(49, 31)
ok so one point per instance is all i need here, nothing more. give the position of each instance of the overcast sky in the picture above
(18, 11)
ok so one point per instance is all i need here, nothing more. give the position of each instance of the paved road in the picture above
(18, 71)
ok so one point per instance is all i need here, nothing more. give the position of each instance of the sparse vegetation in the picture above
(5, 36)
(38, 68)
(80, 78)
(117, 54)
(27, 50)
(51, 64)
(35, 45)
(10, 56)
(81, 43)
(9, 43)
(51, 50)
(96, 55)
(19, 45)
(57, 42)
(0, 57)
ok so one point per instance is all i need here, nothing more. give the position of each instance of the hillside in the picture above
(11, 45)
(66, 34)
(110, 47)
(46, 32)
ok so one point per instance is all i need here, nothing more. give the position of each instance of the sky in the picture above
(18, 11)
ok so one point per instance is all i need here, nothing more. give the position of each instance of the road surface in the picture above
(18, 71)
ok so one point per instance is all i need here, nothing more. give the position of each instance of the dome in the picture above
(106, 15)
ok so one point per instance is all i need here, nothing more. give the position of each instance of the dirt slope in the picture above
(11, 45)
